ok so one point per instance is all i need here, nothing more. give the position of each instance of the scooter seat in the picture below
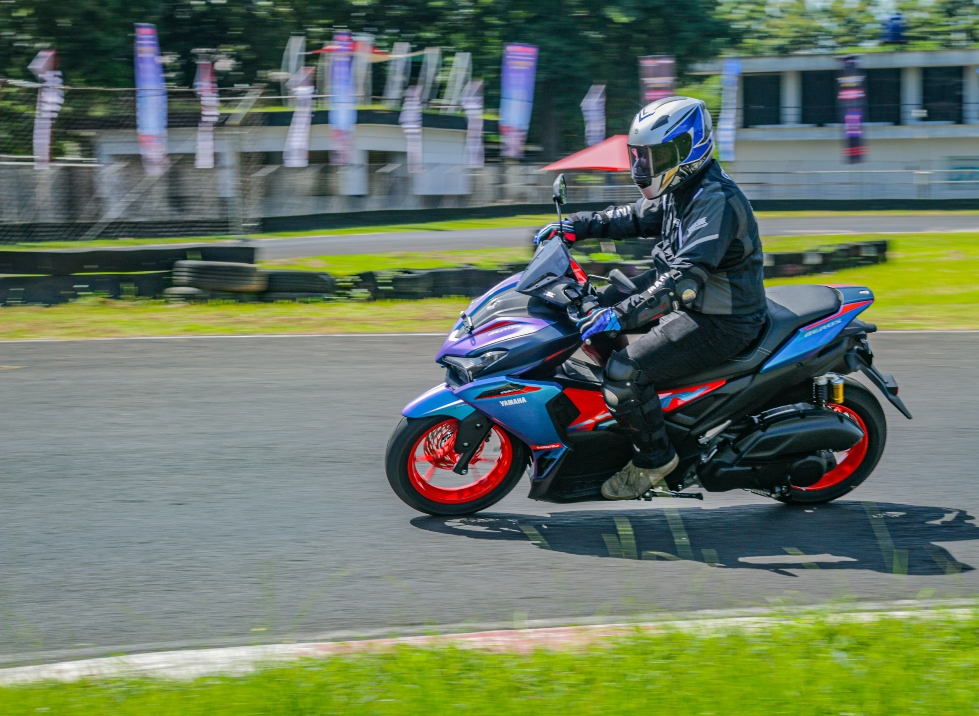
(789, 309)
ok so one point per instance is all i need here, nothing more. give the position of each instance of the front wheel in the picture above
(419, 466)
(853, 466)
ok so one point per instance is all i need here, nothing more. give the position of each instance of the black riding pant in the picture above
(682, 343)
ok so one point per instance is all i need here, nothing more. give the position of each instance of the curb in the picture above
(236, 661)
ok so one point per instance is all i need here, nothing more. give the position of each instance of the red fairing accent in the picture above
(496, 393)
(552, 446)
(673, 399)
(591, 405)
(579, 275)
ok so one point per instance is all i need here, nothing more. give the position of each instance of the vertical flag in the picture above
(727, 124)
(50, 97)
(411, 123)
(459, 77)
(151, 101)
(206, 87)
(517, 97)
(851, 103)
(293, 59)
(431, 64)
(363, 78)
(343, 102)
(593, 109)
(399, 67)
(472, 104)
(296, 152)
(656, 76)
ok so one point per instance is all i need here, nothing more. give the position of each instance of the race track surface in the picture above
(507, 238)
(167, 493)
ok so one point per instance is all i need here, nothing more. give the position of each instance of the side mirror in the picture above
(621, 282)
(560, 190)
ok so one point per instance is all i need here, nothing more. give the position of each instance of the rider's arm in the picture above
(644, 218)
(713, 224)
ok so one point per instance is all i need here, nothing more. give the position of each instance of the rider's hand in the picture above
(551, 230)
(605, 320)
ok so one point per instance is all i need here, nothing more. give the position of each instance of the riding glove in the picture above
(551, 230)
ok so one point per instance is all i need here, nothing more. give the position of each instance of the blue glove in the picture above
(551, 230)
(604, 320)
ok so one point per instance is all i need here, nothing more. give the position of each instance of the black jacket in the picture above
(707, 232)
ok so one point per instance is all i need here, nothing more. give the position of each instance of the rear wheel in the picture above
(419, 463)
(853, 466)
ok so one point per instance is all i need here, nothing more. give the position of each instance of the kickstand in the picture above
(648, 495)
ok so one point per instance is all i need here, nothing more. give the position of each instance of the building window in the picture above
(884, 95)
(941, 94)
(762, 99)
(819, 97)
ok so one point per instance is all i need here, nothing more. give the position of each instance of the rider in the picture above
(706, 290)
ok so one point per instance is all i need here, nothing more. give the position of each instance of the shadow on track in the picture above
(887, 538)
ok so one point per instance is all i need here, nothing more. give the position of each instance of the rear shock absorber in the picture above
(827, 388)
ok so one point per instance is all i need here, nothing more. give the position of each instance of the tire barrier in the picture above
(218, 276)
(64, 262)
(202, 280)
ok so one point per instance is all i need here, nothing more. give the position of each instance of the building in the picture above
(921, 127)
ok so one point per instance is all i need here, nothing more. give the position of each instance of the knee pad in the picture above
(619, 385)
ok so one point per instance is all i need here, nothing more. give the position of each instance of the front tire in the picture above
(420, 459)
(853, 465)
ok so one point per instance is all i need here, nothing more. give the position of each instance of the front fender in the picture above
(440, 400)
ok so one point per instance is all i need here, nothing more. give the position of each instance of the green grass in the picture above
(927, 282)
(802, 668)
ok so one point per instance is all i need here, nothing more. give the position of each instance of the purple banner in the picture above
(517, 97)
(50, 97)
(656, 76)
(151, 100)
(850, 100)
(207, 89)
(343, 97)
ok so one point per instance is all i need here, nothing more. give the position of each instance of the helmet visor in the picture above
(648, 162)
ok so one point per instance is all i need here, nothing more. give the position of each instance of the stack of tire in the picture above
(203, 280)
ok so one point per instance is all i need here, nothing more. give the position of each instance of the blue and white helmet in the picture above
(669, 140)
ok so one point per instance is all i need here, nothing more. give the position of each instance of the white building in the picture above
(921, 127)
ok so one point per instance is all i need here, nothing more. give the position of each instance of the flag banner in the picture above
(50, 97)
(399, 67)
(363, 63)
(850, 101)
(472, 104)
(431, 64)
(151, 101)
(206, 86)
(517, 97)
(296, 152)
(411, 123)
(657, 73)
(728, 121)
(343, 98)
(459, 77)
(293, 59)
(323, 75)
(593, 109)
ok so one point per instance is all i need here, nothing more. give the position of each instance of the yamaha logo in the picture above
(513, 401)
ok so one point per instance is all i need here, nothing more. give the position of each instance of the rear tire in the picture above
(855, 465)
(419, 454)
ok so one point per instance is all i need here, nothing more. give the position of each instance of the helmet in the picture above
(669, 140)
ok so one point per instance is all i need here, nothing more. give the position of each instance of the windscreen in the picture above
(551, 262)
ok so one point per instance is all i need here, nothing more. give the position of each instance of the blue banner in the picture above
(727, 125)
(343, 96)
(151, 100)
(517, 97)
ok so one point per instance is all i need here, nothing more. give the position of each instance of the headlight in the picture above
(469, 367)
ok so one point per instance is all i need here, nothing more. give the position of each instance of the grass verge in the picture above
(800, 668)
(927, 283)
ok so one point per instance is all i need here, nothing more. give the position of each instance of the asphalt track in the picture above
(169, 493)
(506, 238)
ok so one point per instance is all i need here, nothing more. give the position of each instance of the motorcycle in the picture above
(781, 419)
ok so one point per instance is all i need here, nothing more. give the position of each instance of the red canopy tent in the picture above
(612, 155)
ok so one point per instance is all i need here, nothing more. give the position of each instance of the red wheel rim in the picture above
(432, 459)
(846, 462)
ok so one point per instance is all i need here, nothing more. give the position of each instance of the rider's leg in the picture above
(682, 343)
